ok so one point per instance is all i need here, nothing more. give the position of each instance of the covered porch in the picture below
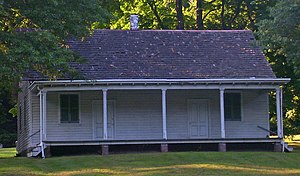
(165, 112)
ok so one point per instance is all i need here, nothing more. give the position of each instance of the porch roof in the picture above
(119, 84)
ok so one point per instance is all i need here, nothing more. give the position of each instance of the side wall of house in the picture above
(35, 119)
(24, 117)
(138, 115)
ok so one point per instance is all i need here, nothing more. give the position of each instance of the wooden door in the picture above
(198, 111)
(97, 109)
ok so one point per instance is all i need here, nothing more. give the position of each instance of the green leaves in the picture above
(33, 36)
(215, 14)
(279, 34)
(282, 31)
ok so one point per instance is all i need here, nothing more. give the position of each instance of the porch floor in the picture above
(161, 141)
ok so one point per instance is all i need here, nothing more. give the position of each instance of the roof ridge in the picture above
(170, 30)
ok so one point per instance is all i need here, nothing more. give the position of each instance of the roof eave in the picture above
(272, 81)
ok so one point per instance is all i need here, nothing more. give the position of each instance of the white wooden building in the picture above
(154, 87)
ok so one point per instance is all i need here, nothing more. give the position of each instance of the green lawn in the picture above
(173, 163)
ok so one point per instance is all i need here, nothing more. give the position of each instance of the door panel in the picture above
(98, 119)
(198, 118)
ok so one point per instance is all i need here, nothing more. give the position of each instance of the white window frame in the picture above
(242, 105)
(79, 108)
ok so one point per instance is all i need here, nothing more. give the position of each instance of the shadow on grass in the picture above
(187, 169)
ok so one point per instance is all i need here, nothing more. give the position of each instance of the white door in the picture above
(198, 118)
(98, 119)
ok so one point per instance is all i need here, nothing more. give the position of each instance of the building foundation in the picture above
(104, 149)
(164, 148)
(277, 147)
(222, 147)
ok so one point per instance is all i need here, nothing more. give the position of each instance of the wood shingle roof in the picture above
(170, 54)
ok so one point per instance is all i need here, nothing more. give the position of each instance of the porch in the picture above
(104, 146)
(158, 113)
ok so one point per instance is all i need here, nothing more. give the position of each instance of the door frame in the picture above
(208, 116)
(94, 119)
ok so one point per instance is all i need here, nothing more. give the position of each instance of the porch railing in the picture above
(271, 132)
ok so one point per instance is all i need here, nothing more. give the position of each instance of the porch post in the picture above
(278, 113)
(164, 113)
(104, 113)
(41, 123)
(222, 113)
(222, 145)
(281, 113)
(44, 113)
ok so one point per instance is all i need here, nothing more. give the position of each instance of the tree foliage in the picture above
(33, 35)
(279, 34)
(281, 31)
(195, 14)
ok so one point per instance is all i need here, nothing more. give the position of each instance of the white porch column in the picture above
(41, 94)
(278, 113)
(222, 113)
(281, 113)
(104, 113)
(44, 113)
(164, 113)
(41, 116)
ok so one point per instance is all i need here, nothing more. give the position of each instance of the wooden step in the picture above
(287, 148)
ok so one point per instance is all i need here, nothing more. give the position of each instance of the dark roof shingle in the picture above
(170, 54)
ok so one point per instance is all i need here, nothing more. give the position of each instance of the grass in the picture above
(173, 163)
(295, 143)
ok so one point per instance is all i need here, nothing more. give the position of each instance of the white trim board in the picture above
(272, 81)
(159, 87)
(61, 143)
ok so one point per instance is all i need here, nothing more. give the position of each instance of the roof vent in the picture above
(134, 22)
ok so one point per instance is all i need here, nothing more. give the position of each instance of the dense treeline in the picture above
(276, 24)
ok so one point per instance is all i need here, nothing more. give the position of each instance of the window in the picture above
(232, 106)
(69, 108)
(25, 113)
(20, 117)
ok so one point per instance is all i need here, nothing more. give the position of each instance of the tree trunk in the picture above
(180, 20)
(250, 15)
(199, 12)
(236, 13)
(155, 12)
(222, 15)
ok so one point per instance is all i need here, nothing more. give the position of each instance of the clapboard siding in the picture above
(254, 112)
(138, 115)
(24, 114)
(35, 120)
(57, 131)
(177, 119)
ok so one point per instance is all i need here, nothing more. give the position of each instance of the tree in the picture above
(282, 31)
(279, 34)
(33, 36)
(199, 12)
(180, 18)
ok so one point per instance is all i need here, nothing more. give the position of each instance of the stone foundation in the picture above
(164, 148)
(47, 151)
(277, 147)
(222, 147)
(104, 149)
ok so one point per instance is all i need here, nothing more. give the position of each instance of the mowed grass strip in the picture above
(173, 163)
